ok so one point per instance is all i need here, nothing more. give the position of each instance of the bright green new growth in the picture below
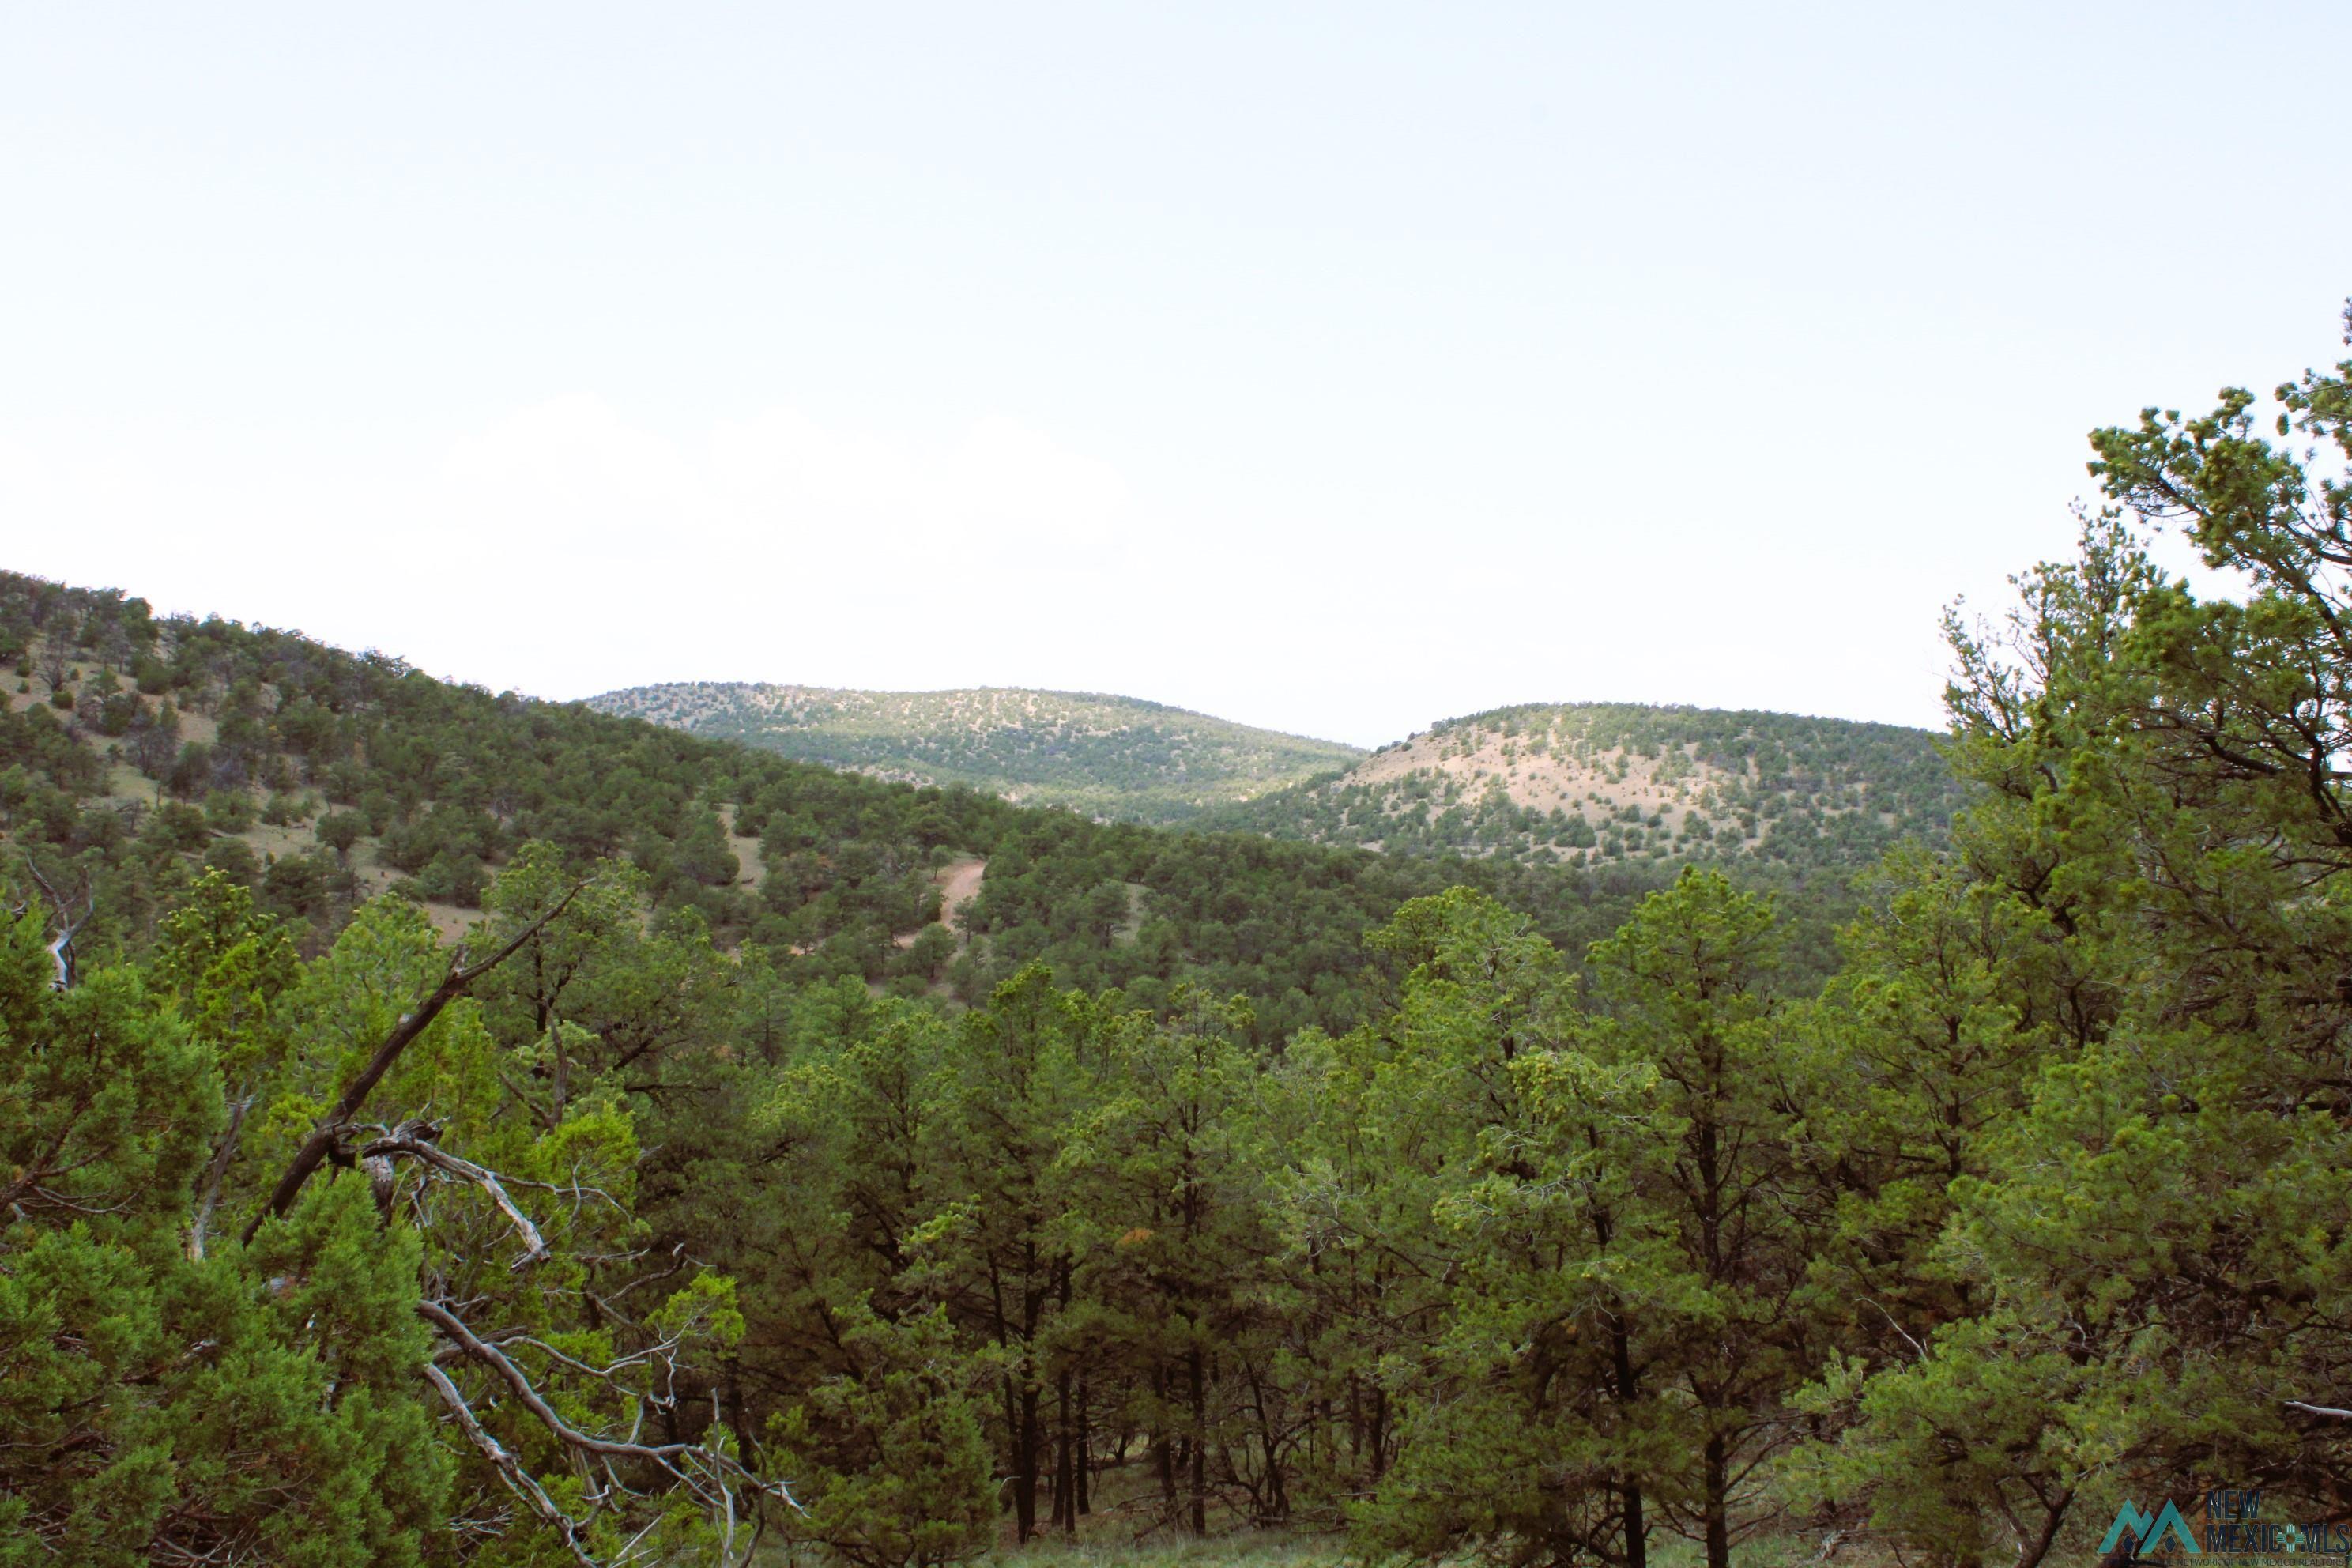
(1472, 1239)
(328, 1389)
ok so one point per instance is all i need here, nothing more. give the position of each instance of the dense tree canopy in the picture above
(1516, 1215)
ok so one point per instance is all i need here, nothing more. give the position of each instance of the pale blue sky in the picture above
(1335, 368)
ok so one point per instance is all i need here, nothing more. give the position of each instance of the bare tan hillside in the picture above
(1548, 771)
(1595, 783)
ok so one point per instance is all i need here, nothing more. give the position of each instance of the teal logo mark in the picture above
(2147, 1534)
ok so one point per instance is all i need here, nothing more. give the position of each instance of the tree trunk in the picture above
(1716, 1504)
(2052, 1517)
(1024, 1464)
(1085, 1477)
(1066, 1486)
(1199, 1443)
(1163, 1445)
(1355, 1421)
(1637, 1530)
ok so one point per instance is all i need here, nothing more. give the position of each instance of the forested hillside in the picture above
(1564, 784)
(238, 861)
(710, 1201)
(1583, 784)
(1112, 757)
(135, 752)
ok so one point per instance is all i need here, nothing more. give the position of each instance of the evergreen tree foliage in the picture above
(631, 1211)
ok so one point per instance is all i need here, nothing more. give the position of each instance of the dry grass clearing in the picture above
(959, 882)
(751, 867)
(1670, 784)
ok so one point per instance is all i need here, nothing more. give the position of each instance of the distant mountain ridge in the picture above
(1589, 784)
(1108, 756)
(1585, 783)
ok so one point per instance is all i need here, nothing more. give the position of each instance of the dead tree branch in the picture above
(338, 1121)
(413, 1139)
(68, 923)
(517, 1480)
(711, 1477)
(216, 1173)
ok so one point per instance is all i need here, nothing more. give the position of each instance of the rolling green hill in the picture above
(1594, 784)
(1565, 784)
(136, 751)
(1112, 757)
(240, 854)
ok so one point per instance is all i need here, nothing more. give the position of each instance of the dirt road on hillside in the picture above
(959, 881)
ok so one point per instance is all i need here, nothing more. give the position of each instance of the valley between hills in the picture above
(1567, 784)
(1113, 757)
(924, 1125)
